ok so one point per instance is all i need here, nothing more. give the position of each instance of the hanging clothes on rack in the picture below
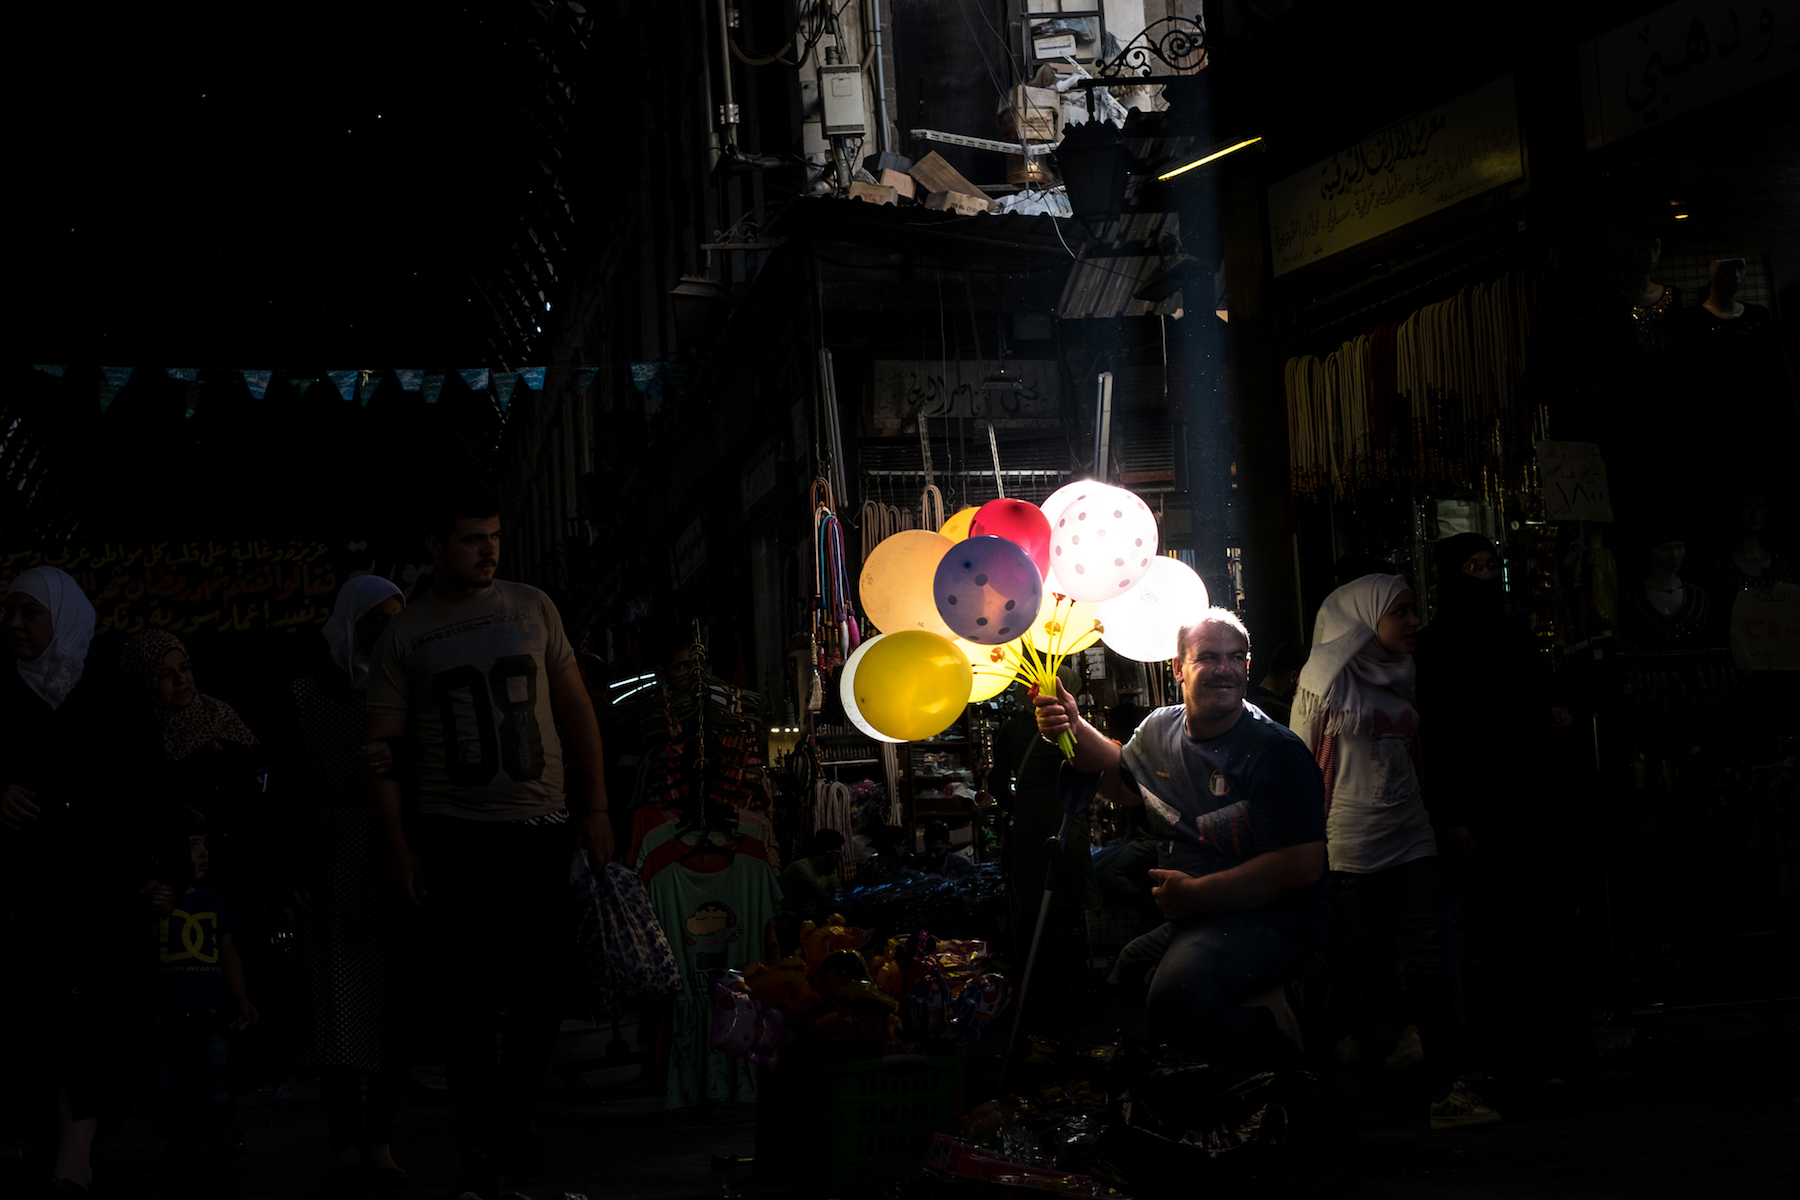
(715, 921)
(661, 844)
(707, 860)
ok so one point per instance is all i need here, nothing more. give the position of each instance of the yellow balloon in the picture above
(913, 684)
(990, 678)
(957, 527)
(1067, 626)
(897, 582)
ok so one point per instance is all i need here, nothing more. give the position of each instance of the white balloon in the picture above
(847, 691)
(1145, 622)
(1102, 542)
(1058, 500)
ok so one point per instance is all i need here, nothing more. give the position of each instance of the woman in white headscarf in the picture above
(1355, 712)
(64, 850)
(345, 1026)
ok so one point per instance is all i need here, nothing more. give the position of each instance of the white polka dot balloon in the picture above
(1102, 542)
(1058, 500)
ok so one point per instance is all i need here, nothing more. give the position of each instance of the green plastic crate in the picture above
(834, 1129)
(878, 1116)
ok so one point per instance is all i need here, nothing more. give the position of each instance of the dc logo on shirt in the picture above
(196, 937)
(1218, 785)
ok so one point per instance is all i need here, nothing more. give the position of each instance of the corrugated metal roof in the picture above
(1115, 263)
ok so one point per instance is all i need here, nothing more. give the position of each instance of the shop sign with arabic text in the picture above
(956, 388)
(1682, 57)
(1409, 170)
(186, 587)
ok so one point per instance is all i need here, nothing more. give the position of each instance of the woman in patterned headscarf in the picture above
(189, 721)
(345, 1021)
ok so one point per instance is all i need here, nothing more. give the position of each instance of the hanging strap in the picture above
(931, 508)
(994, 445)
(875, 525)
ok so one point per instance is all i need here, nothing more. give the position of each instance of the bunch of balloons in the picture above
(1003, 594)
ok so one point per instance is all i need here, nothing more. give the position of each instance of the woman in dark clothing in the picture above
(1488, 757)
(345, 1026)
(70, 902)
(1474, 675)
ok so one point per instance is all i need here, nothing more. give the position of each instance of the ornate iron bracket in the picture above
(1178, 43)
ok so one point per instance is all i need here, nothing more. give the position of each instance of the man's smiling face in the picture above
(1214, 670)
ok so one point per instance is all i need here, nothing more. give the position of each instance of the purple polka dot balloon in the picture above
(1102, 543)
(988, 590)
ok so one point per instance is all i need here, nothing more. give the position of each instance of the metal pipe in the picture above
(706, 108)
(1103, 426)
(881, 130)
(728, 109)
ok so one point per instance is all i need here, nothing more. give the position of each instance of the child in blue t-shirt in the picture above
(199, 994)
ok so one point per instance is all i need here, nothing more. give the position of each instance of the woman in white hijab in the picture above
(345, 1020)
(1355, 712)
(63, 842)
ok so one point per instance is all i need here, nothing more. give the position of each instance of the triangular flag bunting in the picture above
(55, 371)
(190, 398)
(117, 376)
(409, 379)
(433, 384)
(504, 383)
(258, 382)
(187, 374)
(533, 377)
(476, 378)
(370, 382)
(108, 393)
(583, 377)
(344, 382)
(647, 377)
(300, 385)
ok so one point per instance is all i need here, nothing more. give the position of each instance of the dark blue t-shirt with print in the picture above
(190, 971)
(1222, 801)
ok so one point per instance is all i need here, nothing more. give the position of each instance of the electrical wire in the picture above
(999, 88)
(751, 59)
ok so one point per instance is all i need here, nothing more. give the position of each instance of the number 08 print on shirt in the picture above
(490, 719)
(472, 677)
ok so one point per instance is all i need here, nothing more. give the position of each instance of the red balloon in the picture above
(1022, 524)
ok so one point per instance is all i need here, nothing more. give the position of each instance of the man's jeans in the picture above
(1205, 968)
(498, 905)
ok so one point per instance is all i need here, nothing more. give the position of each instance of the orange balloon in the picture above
(897, 582)
(957, 527)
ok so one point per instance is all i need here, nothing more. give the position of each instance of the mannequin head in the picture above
(1632, 255)
(1666, 558)
(1752, 511)
(1725, 278)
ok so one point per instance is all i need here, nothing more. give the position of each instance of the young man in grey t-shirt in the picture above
(477, 682)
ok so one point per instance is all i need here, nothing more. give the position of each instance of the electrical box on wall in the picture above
(841, 98)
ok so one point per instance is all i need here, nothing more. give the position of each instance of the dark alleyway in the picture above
(1690, 1105)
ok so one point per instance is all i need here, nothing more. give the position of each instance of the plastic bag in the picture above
(1202, 1124)
(626, 958)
